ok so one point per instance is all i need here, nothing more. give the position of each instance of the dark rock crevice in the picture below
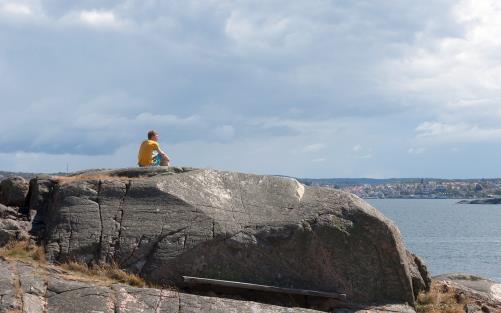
(119, 219)
(98, 201)
(179, 303)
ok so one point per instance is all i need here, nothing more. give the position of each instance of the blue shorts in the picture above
(156, 160)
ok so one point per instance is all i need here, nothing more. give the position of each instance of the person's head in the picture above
(153, 135)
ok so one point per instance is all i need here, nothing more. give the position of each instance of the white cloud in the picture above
(300, 126)
(292, 81)
(417, 150)
(270, 30)
(435, 129)
(436, 132)
(319, 160)
(16, 8)
(98, 19)
(361, 152)
(314, 147)
(365, 156)
(456, 77)
(147, 118)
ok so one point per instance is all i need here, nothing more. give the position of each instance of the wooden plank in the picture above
(234, 284)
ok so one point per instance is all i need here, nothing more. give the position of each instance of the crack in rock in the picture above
(116, 243)
(18, 285)
(98, 201)
(68, 290)
(179, 303)
(126, 261)
(155, 245)
(160, 298)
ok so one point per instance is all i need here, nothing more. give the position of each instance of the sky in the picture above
(306, 88)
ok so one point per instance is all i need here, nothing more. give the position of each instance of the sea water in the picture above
(450, 237)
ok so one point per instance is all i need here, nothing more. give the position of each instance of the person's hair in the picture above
(152, 133)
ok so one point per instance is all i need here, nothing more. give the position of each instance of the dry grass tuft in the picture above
(76, 267)
(23, 250)
(440, 299)
(82, 177)
(110, 271)
(30, 252)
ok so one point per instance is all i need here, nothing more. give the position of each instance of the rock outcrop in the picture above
(37, 289)
(481, 201)
(484, 291)
(13, 191)
(165, 223)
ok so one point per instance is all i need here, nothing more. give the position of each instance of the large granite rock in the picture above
(165, 223)
(13, 191)
(37, 289)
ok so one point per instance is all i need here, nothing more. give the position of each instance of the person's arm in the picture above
(163, 154)
(157, 148)
(165, 158)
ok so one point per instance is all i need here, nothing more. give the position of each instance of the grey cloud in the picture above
(183, 68)
(61, 128)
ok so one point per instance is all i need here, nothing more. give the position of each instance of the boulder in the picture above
(13, 191)
(224, 225)
(39, 189)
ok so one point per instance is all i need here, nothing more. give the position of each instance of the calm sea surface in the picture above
(450, 237)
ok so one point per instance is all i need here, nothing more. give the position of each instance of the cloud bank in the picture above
(311, 88)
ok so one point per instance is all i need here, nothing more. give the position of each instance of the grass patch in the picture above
(23, 250)
(110, 271)
(440, 299)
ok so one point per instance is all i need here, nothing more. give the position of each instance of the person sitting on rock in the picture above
(150, 153)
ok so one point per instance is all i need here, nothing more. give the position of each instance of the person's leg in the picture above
(163, 162)
(157, 160)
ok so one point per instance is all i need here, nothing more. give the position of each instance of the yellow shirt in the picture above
(145, 156)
